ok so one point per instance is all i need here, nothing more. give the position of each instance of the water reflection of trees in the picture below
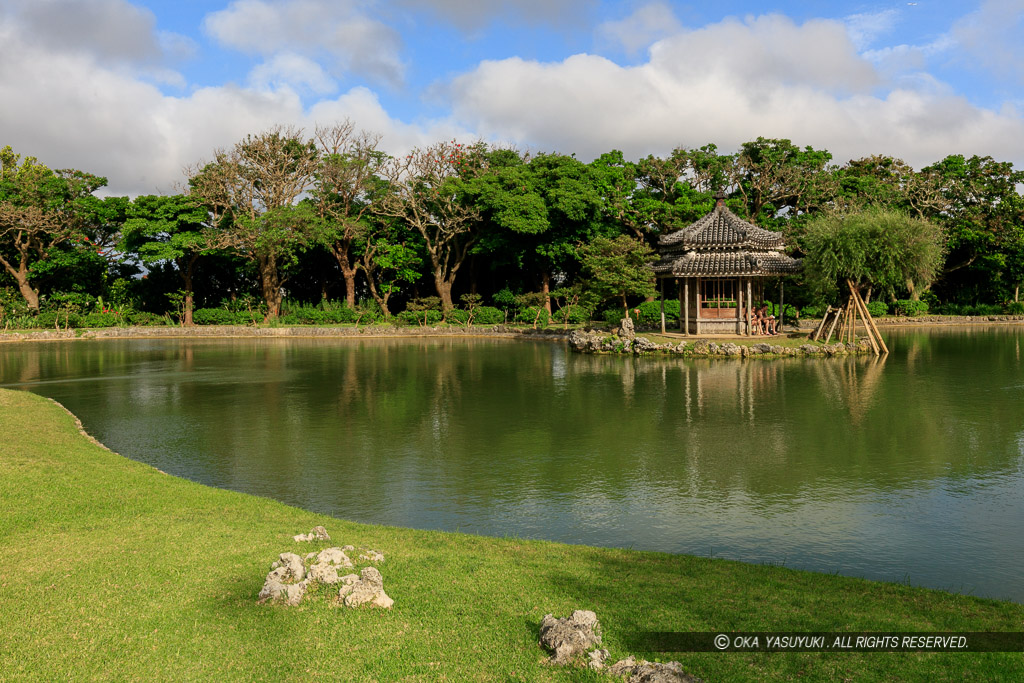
(420, 425)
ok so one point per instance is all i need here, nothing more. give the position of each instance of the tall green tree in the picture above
(982, 214)
(252, 193)
(878, 249)
(618, 268)
(779, 181)
(41, 214)
(168, 229)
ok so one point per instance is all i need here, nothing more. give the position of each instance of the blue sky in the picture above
(137, 90)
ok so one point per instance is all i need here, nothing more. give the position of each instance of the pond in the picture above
(907, 469)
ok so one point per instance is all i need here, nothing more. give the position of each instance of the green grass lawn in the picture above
(114, 570)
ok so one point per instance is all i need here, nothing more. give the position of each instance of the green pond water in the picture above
(909, 468)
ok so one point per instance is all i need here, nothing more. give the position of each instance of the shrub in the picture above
(99, 320)
(457, 316)
(71, 302)
(48, 319)
(578, 315)
(988, 309)
(909, 307)
(217, 316)
(1015, 308)
(142, 318)
(650, 312)
(420, 317)
(488, 315)
(812, 311)
(613, 316)
(529, 314)
(877, 308)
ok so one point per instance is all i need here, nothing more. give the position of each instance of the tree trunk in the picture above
(545, 288)
(444, 290)
(31, 295)
(270, 283)
(348, 272)
(20, 275)
(186, 272)
(382, 301)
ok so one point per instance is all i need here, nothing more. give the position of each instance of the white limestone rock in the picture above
(569, 637)
(317, 533)
(369, 589)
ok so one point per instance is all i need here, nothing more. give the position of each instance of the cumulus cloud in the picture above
(342, 31)
(110, 31)
(71, 111)
(637, 31)
(296, 71)
(729, 83)
(991, 38)
(470, 15)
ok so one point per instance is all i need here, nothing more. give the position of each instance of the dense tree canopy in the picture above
(876, 248)
(283, 215)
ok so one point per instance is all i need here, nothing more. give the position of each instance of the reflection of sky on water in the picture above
(909, 468)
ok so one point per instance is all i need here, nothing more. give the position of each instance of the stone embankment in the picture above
(812, 323)
(623, 340)
(237, 331)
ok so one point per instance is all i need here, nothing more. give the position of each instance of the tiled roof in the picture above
(727, 264)
(721, 229)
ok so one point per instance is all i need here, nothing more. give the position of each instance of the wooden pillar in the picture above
(749, 330)
(696, 311)
(661, 281)
(684, 306)
(739, 305)
(778, 323)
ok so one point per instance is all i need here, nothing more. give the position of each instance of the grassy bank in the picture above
(117, 571)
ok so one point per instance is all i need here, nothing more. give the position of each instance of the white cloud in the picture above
(991, 38)
(291, 70)
(864, 29)
(114, 32)
(637, 31)
(729, 83)
(70, 111)
(340, 30)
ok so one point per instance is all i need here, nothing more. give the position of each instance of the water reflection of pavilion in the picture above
(719, 264)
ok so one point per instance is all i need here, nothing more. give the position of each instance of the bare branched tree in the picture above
(428, 191)
(345, 180)
(252, 193)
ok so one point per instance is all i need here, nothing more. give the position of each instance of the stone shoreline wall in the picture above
(237, 331)
(806, 324)
(621, 342)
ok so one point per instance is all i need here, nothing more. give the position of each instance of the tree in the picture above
(778, 181)
(251, 192)
(170, 229)
(37, 216)
(618, 268)
(982, 214)
(430, 190)
(345, 181)
(876, 248)
(388, 264)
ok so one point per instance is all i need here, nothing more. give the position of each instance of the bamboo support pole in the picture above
(832, 327)
(870, 322)
(866, 316)
(816, 335)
